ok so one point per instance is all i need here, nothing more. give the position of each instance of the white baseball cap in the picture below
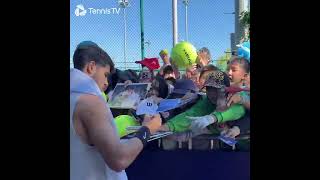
(147, 106)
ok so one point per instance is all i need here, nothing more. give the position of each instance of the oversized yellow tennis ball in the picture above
(183, 54)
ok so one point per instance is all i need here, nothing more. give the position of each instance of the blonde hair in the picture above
(164, 52)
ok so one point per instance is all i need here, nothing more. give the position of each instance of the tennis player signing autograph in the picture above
(96, 152)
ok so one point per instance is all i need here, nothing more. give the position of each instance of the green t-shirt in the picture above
(105, 96)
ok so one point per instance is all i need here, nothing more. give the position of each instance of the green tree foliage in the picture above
(245, 21)
(223, 60)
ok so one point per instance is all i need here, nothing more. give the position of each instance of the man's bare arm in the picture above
(93, 114)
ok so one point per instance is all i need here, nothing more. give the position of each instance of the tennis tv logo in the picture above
(80, 10)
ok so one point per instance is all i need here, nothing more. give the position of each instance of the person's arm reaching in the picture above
(234, 112)
(92, 113)
(239, 98)
(181, 123)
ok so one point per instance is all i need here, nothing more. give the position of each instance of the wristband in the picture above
(143, 134)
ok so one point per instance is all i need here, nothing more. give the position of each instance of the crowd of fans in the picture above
(219, 105)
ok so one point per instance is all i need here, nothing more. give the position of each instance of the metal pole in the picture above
(125, 38)
(186, 3)
(142, 30)
(187, 22)
(175, 22)
(238, 27)
(236, 22)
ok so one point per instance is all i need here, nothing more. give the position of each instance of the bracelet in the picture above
(143, 134)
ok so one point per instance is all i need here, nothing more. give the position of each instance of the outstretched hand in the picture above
(199, 123)
(152, 122)
(232, 132)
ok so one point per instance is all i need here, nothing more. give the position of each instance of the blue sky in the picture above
(208, 26)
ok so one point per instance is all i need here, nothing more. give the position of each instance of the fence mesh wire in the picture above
(210, 24)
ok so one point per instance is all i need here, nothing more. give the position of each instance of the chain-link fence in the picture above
(210, 24)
